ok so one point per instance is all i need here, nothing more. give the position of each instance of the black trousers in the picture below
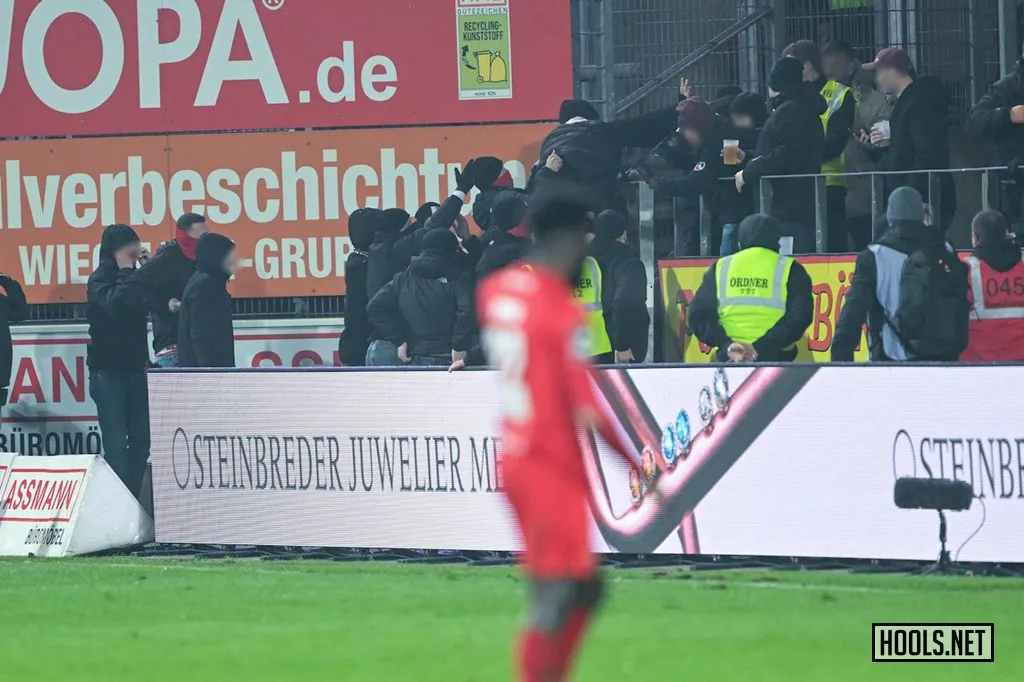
(836, 219)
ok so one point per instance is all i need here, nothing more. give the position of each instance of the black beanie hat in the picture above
(787, 74)
(360, 227)
(750, 104)
(508, 209)
(391, 220)
(442, 241)
(486, 170)
(424, 212)
(115, 237)
(609, 225)
(571, 108)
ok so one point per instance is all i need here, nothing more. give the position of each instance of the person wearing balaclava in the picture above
(623, 288)
(509, 236)
(427, 310)
(118, 355)
(792, 142)
(355, 338)
(385, 260)
(162, 281)
(588, 151)
(206, 336)
(755, 305)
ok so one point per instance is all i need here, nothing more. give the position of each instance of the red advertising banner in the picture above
(84, 67)
(284, 197)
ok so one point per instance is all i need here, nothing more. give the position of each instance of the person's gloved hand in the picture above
(464, 180)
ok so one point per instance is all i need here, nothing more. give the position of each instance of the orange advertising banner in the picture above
(830, 277)
(284, 197)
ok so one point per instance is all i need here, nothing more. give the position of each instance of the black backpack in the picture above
(934, 314)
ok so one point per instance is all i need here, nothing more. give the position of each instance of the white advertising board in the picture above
(779, 461)
(66, 505)
(49, 411)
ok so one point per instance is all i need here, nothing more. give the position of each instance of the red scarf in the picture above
(187, 243)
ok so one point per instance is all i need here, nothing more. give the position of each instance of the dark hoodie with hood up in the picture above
(757, 231)
(206, 336)
(792, 142)
(356, 336)
(623, 286)
(430, 304)
(919, 125)
(508, 242)
(117, 312)
(391, 249)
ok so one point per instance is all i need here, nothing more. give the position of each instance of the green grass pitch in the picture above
(207, 621)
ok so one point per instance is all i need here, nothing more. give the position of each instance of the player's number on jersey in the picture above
(507, 348)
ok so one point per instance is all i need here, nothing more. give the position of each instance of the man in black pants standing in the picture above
(13, 308)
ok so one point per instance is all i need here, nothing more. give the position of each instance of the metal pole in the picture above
(764, 197)
(705, 227)
(820, 215)
(986, 187)
(586, 58)
(607, 61)
(680, 248)
(1009, 35)
(877, 203)
(645, 208)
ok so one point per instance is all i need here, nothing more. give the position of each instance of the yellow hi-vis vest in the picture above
(835, 95)
(751, 292)
(588, 294)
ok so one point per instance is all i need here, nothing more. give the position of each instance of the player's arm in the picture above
(588, 411)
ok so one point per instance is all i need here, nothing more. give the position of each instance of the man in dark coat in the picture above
(792, 142)
(118, 355)
(777, 344)
(510, 240)
(162, 281)
(355, 338)
(206, 336)
(703, 133)
(591, 150)
(427, 310)
(883, 261)
(918, 131)
(13, 308)
(623, 288)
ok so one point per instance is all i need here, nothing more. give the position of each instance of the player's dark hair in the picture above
(187, 220)
(805, 51)
(990, 226)
(560, 207)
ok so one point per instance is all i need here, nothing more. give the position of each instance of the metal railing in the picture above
(990, 178)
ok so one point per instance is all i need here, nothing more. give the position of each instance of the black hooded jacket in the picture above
(505, 248)
(356, 337)
(792, 142)
(391, 249)
(861, 303)
(117, 312)
(757, 231)
(990, 117)
(623, 295)
(919, 126)
(1002, 256)
(429, 306)
(13, 308)
(591, 151)
(162, 278)
(206, 336)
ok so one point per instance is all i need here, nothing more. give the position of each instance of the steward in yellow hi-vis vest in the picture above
(588, 294)
(755, 297)
(835, 95)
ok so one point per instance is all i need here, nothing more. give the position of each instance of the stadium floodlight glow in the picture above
(939, 494)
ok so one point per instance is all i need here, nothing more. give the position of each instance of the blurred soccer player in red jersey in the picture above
(534, 332)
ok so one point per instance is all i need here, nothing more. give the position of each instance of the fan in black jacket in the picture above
(13, 308)
(118, 355)
(162, 281)
(206, 336)
(427, 310)
(509, 242)
(356, 336)
(792, 142)
(623, 288)
(591, 149)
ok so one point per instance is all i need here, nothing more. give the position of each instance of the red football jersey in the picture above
(535, 333)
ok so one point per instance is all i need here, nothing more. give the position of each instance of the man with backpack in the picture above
(911, 289)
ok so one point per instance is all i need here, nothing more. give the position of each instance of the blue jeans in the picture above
(730, 237)
(382, 354)
(122, 403)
